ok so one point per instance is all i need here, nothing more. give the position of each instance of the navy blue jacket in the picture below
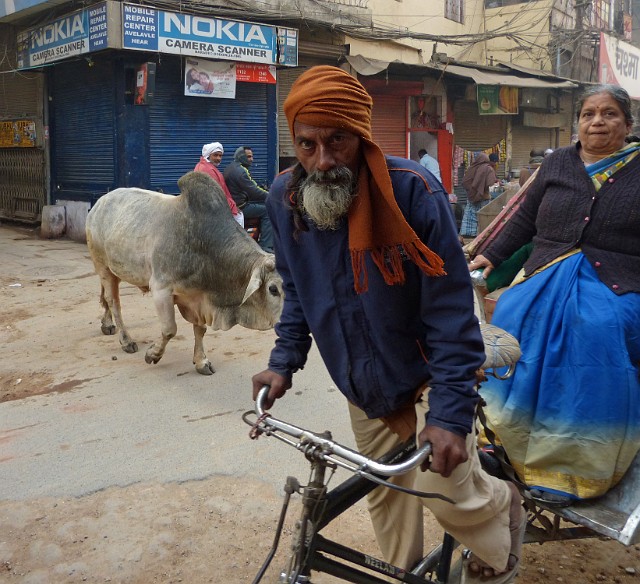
(381, 346)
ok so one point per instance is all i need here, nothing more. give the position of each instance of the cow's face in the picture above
(263, 298)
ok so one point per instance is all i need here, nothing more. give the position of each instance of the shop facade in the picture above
(121, 110)
(509, 113)
(410, 111)
(23, 155)
(455, 111)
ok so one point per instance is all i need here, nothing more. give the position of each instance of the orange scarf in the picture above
(329, 97)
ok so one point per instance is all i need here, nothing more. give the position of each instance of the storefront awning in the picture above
(496, 78)
(366, 66)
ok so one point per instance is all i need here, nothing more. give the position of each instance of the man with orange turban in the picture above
(373, 269)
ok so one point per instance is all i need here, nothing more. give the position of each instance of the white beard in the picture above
(327, 196)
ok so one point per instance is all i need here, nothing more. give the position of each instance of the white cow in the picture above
(188, 251)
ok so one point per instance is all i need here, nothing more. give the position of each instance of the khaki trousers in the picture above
(479, 520)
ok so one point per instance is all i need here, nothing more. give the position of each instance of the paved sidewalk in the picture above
(24, 256)
(78, 414)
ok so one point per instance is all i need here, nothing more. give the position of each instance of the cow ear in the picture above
(254, 283)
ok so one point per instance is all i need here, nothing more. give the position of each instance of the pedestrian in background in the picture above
(480, 175)
(248, 194)
(209, 162)
(536, 156)
(430, 163)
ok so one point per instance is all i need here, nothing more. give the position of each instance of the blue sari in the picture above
(569, 418)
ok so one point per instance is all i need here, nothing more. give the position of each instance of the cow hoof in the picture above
(130, 347)
(206, 368)
(108, 330)
(150, 357)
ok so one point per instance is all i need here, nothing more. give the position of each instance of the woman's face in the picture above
(602, 125)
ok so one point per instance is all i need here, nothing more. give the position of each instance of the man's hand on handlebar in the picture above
(278, 386)
(448, 450)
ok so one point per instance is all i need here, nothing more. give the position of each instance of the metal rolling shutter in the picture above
(525, 138)
(566, 105)
(389, 123)
(286, 78)
(179, 125)
(22, 96)
(475, 132)
(23, 189)
(83, 131)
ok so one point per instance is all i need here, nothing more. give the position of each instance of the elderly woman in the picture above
(480, 175)
(569, 419)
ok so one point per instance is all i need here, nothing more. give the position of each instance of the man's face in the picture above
(249, 155)
(215, 158)
(326, 148)
(331, 157)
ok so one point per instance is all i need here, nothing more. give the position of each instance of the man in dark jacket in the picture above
(372, 270)
(248, 195)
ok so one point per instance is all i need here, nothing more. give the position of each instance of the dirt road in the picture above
(159, 488)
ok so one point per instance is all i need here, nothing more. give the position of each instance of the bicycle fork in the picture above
(298, 571)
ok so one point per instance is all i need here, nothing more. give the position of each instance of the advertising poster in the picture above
(255, 73)
(17, 134)
(145, 84)
(620, 64)
(287, 46)
(497, 100)
(204, 78)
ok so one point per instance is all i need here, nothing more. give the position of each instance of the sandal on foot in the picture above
(469, 577)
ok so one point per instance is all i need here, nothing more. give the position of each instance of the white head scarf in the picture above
(209, 149)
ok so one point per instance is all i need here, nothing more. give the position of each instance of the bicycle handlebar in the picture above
(330, 450)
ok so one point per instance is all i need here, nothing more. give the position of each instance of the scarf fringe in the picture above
(389, 261)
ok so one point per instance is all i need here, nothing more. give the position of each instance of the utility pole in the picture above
(579, 35)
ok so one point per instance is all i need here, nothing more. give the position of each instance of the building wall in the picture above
(529, 23)
(635, 15)
(426, 19)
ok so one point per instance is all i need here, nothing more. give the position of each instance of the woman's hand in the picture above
(481, 262)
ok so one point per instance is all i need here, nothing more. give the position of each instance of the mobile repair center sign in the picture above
(112, 25)
(84, 31)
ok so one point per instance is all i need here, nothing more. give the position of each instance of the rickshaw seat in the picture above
(616, 514)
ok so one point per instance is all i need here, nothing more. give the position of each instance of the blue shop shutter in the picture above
(179, 125)
(82, 126)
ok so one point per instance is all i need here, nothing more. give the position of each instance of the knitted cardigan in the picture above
(563, 211)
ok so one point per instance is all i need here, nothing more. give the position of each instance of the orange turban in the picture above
(329, 97)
